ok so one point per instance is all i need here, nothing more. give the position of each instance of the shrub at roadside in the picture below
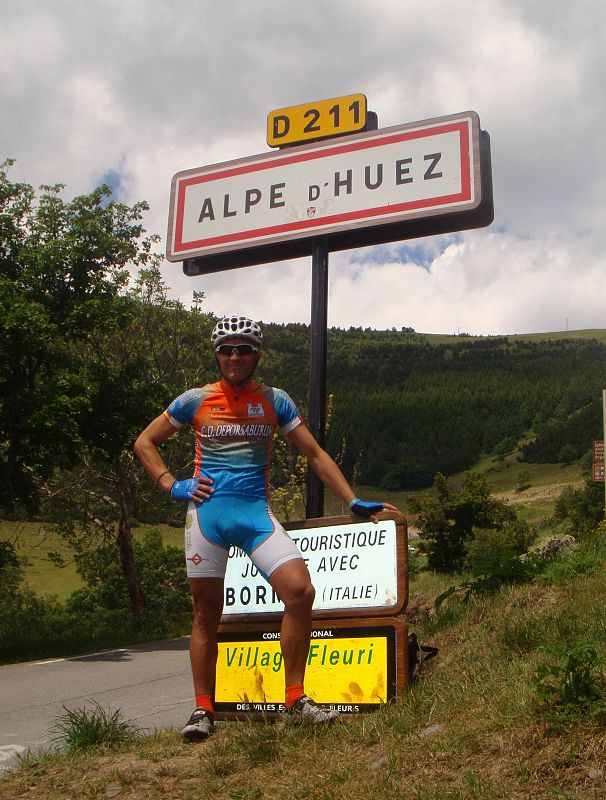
(493, 556)
(85, 728)
(25, 618)
(580, 509)
(105, 603)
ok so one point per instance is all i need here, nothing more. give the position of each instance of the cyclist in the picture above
(234, 421)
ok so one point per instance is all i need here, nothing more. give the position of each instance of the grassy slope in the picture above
(589, 333)
(471, 730)
(33, 542)
(534, 503)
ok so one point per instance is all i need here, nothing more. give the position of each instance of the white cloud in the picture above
(487, 284)
(148, 88)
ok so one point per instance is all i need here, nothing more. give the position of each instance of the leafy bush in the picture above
(448, 522)
(98, 615)
(24, 617)
(34, 627)
(490, 544)
(571, 682)
(582, 509)
(494, 554)
(162, 577)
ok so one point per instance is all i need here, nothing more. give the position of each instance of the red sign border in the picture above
(467, 125)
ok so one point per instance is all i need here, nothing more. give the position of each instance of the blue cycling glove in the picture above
(181, 490)
(362, 509)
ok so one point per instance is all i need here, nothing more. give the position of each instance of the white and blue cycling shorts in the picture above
(217, 524)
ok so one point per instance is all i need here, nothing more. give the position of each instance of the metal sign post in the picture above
(317, 369)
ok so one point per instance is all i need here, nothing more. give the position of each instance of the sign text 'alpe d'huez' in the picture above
(361, 189)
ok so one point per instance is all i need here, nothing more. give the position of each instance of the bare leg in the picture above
(207, 596)
(293, 585)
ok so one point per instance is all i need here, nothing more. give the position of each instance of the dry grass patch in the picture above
(415, 749)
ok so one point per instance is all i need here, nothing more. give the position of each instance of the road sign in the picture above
(352, 666)
(597, 473)
(395, 183)
(357, 569)
(317, 120)
(598, 451)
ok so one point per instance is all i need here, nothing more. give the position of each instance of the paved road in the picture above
(151, 684)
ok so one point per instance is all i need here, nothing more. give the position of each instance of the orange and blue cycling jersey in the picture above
(234, 429)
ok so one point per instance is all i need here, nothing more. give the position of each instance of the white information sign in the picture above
(367, 179)
(351, 566)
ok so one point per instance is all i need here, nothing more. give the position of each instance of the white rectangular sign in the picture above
(351, 566)
(368, 179)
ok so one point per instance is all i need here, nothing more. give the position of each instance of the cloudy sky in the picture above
(133, 91)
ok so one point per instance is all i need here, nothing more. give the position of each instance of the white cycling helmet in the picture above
(230, 327)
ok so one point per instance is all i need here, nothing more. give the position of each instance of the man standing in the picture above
(234, 421)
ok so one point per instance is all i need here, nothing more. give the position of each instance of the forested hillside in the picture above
(408, 406)
(89, 356)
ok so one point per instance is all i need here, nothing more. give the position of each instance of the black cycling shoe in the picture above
(199, 726)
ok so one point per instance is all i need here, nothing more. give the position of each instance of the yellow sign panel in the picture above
(351, 673)
(316, 120)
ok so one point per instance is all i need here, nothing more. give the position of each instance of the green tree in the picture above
(447, 522)
(27, 621)
(162, 576)
(149, 350)
(582, 509)
(62, 263)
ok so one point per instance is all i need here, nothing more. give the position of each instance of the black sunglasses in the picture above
(240, 349)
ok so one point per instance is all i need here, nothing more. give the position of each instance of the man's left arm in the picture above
(327, 470)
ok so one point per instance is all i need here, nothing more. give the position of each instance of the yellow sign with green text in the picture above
(311, 121)
(351, 669)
